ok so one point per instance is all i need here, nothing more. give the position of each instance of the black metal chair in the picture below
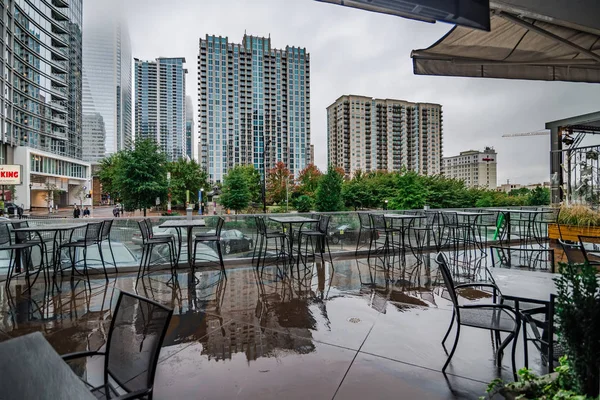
(381, 228)
(494, 317)
(148, 243)
(573, 252)
(364, 226)
(537, 320)
(135, 337)
(265, 236)
(210, 237)
(23, 250)
(590, 247)
(91, 237)
(522, 257)
(105, 237)
(422, 231)
(321, 233)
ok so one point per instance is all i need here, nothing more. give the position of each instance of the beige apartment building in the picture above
(370, 134)
(475, 168)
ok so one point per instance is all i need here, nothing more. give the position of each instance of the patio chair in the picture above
(365, 226)
(494, 317)
(590, 247)
(537, 321)
(381, 228)
(105, 237)
(6, 244)
(91, 237)
(135, 337)
(321, 233)
(422, 231)
(148, 243)
(265, 236)
(573, 252)
(210, 237)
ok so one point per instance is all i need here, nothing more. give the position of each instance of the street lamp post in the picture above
(30, 199)
(385, 205)
(200, 200)
(264, 182)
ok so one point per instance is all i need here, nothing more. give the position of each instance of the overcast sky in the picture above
(358, 52)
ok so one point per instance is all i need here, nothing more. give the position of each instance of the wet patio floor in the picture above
(349, 330)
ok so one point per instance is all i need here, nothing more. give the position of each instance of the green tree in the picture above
(308, 180)
(357, 193)
(303, 203)
(411, 192)
(186, 175)
(235, 194)
(109, 168)
(279, 184)
(141, 176)
(329, 191)
(252, 177)
(540, 196)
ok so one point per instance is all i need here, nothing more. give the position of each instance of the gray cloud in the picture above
(358, 52)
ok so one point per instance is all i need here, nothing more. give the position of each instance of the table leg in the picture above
(189, 243)
(299, 243)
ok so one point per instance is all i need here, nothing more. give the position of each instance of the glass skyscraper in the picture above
(251, 95)
(41, 96)
(107, 77)
(189, 127)
(160, 112)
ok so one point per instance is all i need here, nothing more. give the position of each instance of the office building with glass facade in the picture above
(107, 76)
(369, 134)
(253, 105)
(41, 96)
(189, 127)
(160, 112)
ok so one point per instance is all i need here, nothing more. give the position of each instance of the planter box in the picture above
(572, 232)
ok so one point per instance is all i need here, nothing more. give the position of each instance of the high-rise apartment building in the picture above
(160, 104)
(253, 105)
(384, 134)
(475, 168)
(41, 97)
(93, 138)
(107, 76)
(189, 127)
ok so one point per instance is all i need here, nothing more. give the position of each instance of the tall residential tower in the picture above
(189, 127)
(253, 105)
(40, 97)
(384, 134)
(160, 112)
(107, 78)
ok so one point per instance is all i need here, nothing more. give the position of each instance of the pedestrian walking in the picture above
(76, 212)
(116, 211)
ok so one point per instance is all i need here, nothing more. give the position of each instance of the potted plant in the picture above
(574, 221)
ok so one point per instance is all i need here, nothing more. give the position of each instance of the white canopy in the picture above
(515, 48)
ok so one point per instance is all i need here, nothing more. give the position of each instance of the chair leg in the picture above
(141, 263)
(514, 351)
(449, 328)
(220, 255)
(102, 259)
(112, 255)
(453, 348)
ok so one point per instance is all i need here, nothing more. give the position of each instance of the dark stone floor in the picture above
(353, 330)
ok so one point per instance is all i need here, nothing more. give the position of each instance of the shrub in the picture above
(578, 215)
(303, 203)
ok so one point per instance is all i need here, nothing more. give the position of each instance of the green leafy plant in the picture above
(557, 386)
(303, 203)
(578, 316)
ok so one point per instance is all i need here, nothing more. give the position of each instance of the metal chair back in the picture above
(442, 263)
(4, 234)
(106, 229)
(591, 252)
(378, 221)
(21, 237)
(219, 227)
(365, 220)
(449, 219)
(93, 231)
(573, 252)
(136, 334)
(323, 224)
(144, 231)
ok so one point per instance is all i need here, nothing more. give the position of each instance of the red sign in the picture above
(10, 175)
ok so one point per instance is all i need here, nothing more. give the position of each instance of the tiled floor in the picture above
(351, 330)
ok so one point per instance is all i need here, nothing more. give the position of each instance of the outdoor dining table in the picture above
(527, 290)
(470, 219)
(506, 213)
(189, 225)
(290, 222)
(32, 369)
(402, 218)
(57, 229)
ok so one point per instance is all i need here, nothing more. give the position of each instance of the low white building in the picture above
(475, 168)
(51, 180)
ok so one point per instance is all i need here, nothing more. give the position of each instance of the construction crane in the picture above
(536, 133)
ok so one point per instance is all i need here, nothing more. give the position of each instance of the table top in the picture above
(508, 210)
(521, 285)
(182, 223)
(293, 220)
(468, 213)
(403, 216)
(31, 369)
(51, 227)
